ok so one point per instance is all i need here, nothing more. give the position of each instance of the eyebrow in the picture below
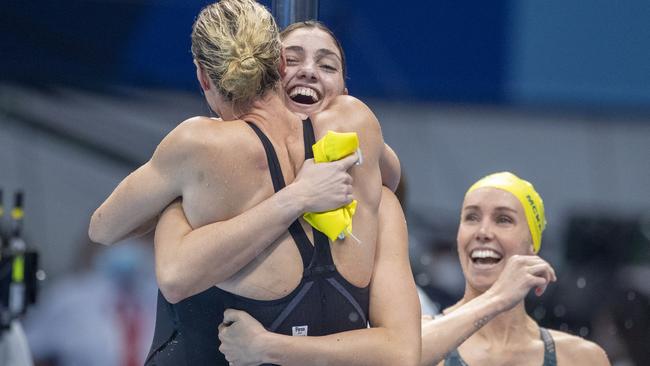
(322, 52)
(295, 49)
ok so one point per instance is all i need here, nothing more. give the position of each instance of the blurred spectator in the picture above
(100, 315)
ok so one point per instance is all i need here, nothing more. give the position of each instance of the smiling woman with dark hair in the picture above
(237, 239)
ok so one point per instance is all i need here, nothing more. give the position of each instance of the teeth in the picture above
(485, 253)
(301, 90)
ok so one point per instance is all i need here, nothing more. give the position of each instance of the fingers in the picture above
(539, 283)
(348, 161)
(536, 265)
(230, 316)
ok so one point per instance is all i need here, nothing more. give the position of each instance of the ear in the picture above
(202, 77)
(283, 64)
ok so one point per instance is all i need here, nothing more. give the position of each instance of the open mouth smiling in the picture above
(304, 95)
(485, 257)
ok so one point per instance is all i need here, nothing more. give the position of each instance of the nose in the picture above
(484, 232)
(307, 72)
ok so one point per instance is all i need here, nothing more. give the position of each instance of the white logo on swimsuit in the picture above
(300, 330)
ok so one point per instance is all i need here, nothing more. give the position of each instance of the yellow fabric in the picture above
(526, 194)
(335, 223)
(17, 213)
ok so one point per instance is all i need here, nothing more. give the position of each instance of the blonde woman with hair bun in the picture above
(232, 236)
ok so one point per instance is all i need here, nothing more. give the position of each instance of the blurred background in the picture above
(557, 92)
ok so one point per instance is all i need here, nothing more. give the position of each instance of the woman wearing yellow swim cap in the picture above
(500, 231)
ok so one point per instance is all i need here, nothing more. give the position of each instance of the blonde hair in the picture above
(237, 43)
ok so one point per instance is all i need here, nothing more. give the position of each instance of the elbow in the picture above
(171, 286)
(404, 354)
(403, 358)
(409, 357)
(96, 232)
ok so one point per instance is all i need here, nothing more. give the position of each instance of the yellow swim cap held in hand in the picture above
(526, 194)
(335, 223)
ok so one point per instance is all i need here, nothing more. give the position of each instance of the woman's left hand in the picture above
(241, 338)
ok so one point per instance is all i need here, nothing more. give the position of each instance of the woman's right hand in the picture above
(520, 274)
(324, 186)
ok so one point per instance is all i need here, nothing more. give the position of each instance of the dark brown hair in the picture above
(314, 24)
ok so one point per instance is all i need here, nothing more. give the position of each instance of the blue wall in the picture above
(522, 52)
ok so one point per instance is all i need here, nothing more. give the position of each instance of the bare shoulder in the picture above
(572, 350)
(197, 134)
(348, 112)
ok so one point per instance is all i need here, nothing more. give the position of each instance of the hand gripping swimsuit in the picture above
(323, 303)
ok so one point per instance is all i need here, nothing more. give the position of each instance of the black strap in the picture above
(295, 229)
(323, 255)
(549, 347)
(308, 137)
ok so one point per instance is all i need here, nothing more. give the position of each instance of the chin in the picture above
(481, 283)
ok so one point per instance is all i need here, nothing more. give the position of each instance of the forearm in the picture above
(371, 346)
(129, 210)
(445, 333)
(216, 251)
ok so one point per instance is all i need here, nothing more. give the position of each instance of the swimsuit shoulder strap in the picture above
(295, 229)
(550, 358)
(453, 359)
(323, 255)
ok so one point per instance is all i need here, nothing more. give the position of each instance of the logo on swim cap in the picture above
(532, 205)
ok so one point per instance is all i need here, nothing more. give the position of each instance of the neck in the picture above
(271, 115)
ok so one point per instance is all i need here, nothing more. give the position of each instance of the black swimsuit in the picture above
(454, 359)
(323, 303)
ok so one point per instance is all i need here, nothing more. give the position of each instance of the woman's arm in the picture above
(394, 338)
(143, 194)
(391, 170)
(442, 334)
(235, 242)
(134, 205)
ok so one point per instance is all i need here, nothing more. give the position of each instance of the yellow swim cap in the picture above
(526, 194)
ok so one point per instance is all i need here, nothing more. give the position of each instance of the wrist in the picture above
(270, 348)
(495, 302)
(295, 202)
